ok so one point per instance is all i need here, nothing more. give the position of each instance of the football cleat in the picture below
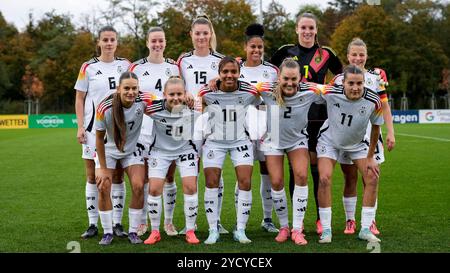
(221, 229)
(374, 229)
(191, 238)
(134, 238)
(325, 237)
(213, 237)
(283, 235)
(154, 237)
(319, 228)
(142, 229)
(239, 235)
(267, 225)
(106, 239)
(118, 231)
(366, 234)
(170, 230)
(90, 232)
(298, 237)
(350, 227)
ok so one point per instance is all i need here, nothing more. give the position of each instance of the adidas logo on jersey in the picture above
(209, 210)
(337, 105)
(302, 143)
(192, 164)
(98, 73)
(163, 121)
(216, 102)
(146, 74)
(246, 155)
(242, 77)
(190, 67)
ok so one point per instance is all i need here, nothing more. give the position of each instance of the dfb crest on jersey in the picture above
(362, 110)
(168, 72)
(214, 66)
(322, 149)
(301, 99)
(154, 162)
(138, 112)
(240, 100)
(369, 81)
(266, 74)
(210, 154)
(119, 69)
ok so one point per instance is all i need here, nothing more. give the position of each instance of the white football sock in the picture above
(154, 204)
(266, 196)
(211, 199)
(92, 203)
(349, 207)
(118, 194)
(170, 199)
(367, 216)
(325, 217)
(106, 220)
(190, 210)
(300, 202)
(134, 217)
(281, 208)
(244, 208)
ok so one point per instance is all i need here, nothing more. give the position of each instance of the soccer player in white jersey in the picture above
(97, 79)
(254, 70)
(288, 102)
(227, 108)
(173, 141)
(199, 66)
(153, 72)
(376, 81)
(350, 107)
(118, 125)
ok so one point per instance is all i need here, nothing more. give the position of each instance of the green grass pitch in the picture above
(43, 207)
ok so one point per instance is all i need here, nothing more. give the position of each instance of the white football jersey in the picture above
(227, 111)
(372, 81)
(347, 120)
(98, 79)
(265, 72)
(287, 124)
(198, 71)
(145, 103)
(152, 78)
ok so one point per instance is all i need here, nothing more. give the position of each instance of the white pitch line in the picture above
(433, 138)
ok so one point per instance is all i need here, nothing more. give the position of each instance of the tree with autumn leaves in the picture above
(408, 38)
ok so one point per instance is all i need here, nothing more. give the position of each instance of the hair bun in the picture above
(255, 30)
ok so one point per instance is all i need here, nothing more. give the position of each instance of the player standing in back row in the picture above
(314, 61)
(98, 79)
(199, 66)
(153, 73)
